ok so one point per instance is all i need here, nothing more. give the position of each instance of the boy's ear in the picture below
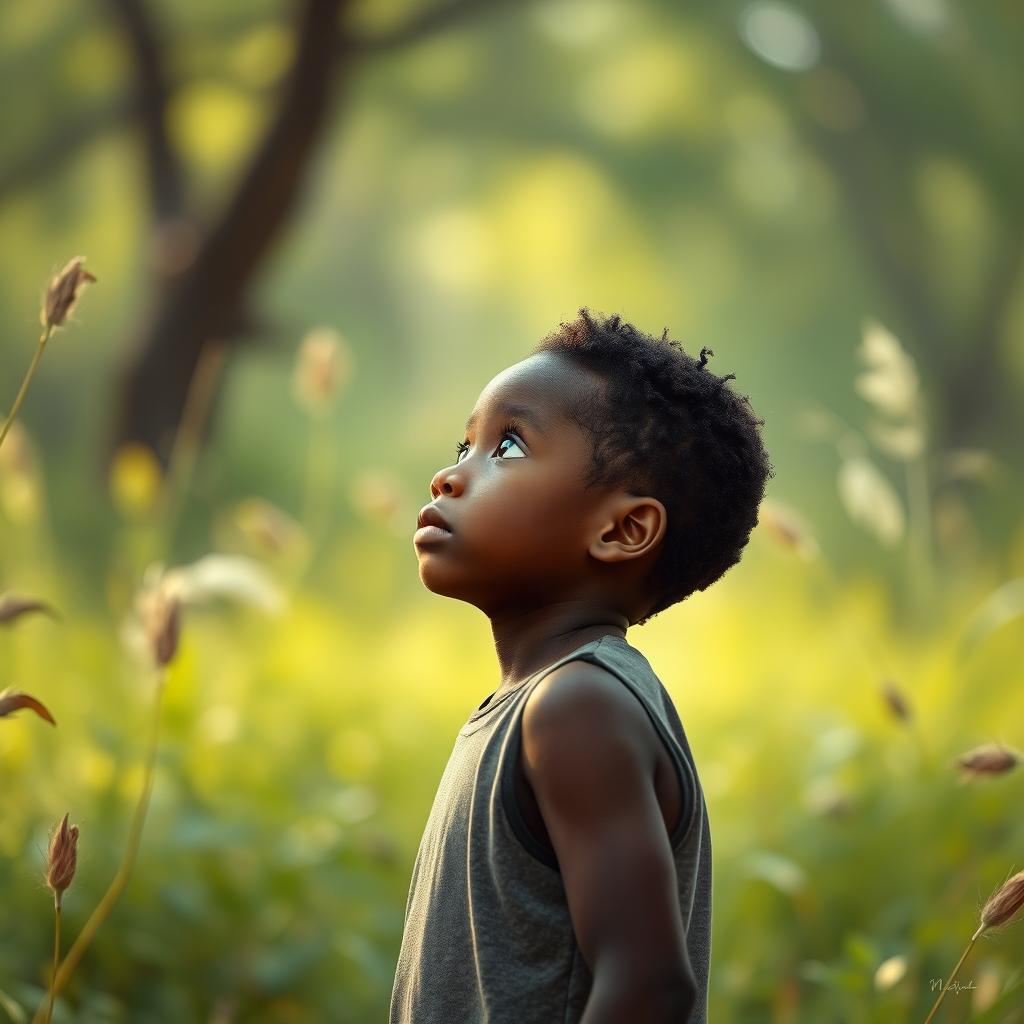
(632, 528)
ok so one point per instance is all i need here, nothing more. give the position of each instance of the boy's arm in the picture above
(589, 754)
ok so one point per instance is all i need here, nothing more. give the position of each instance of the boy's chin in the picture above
(440, 580)
(436, 579)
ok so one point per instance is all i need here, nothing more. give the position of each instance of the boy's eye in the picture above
(463, 446)
(515, 443)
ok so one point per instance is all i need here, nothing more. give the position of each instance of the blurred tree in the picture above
(903, 104)
(204, 266)
(912, 125)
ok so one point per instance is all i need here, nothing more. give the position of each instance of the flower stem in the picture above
(103, 908)
(919, 547)
(316, 506)
(56, 954)
(945, 988)
(185, 448)
(25, 383)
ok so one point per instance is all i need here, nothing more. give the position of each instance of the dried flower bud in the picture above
(896, 701)
(158, 605)
(267, 527)
(786, 527)
(13, 607)
(988, 759)
(63, 858)
(322, 368)
(164, 625)
(14, 700)
(63, 293)
(1003, 904)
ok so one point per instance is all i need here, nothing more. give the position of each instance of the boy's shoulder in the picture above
(581, 700)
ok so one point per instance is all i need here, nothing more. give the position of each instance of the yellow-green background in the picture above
(472, 191)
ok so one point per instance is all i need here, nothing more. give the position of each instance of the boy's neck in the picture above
(528, 641)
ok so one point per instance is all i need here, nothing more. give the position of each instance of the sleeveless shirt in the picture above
(488, 938)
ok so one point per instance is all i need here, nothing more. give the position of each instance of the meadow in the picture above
(855, 745)
(217, 662)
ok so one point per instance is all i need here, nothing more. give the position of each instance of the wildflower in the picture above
(60, 872)
(63, 293)
(232, 577)
(988, 759)
(267, 527)
(890, 972)
(377, 495)
(13, 607)
(135, 478)
(786, 527)
(322, 368)
(1003, 905)
(1000, 908)
(896, 701)
(890, 382)
(15, 700)
(161, 614)
(870, 499)
(156, 625)
(62, 859)
(60, 300)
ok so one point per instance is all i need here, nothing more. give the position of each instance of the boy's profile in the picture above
(564, 874)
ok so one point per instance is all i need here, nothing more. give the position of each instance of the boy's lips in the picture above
(430, 516)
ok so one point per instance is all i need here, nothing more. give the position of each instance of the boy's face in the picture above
(521, 522)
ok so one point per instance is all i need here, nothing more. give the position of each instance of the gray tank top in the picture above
(488, 937)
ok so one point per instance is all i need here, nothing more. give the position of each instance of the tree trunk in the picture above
(203, 300)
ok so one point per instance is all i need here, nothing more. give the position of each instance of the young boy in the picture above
(564, 874)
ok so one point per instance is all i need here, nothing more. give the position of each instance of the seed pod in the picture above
(896, 701)
(988, 759)
(15, 700)
(786, 528)
(1003, 904)
(322, 369)
(13, 607)
(163, 624)
(63, 293)
(63, 858)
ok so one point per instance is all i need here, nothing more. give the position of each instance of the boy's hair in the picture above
(666, 426)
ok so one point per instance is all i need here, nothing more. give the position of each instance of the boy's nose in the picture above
(445, 481)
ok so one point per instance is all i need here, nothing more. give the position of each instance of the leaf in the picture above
(13, 1010)
(870, 500)
(13, 607)
(779, 871)
(15, 700)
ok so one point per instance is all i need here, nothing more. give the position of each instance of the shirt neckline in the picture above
(479, 712)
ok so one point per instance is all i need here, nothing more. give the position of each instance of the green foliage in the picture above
(653, 159)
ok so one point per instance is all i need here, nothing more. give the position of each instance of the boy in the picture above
(564, 874)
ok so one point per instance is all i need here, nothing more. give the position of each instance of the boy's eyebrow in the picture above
(515, 410)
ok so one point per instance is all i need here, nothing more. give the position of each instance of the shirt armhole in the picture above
(542, 851)
(510, 762)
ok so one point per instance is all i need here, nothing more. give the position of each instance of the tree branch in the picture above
(204, 300)
(60, 146)
(419, 26)
(62, 143)
(166, 181)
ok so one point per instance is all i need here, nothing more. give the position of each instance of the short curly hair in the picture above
(666, 426)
